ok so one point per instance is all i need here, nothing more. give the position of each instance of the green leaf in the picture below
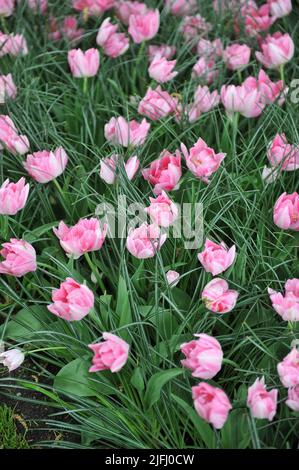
(156, 383)
(204, 429)
(27, 322)
(137, 379)
(123, 308)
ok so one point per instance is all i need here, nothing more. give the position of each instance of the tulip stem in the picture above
(95, 272)
(85, 83)
(282, 73)
(64, 200)
(239, 76)
(138, 60)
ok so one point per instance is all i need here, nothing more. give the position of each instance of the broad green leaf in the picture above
(27, 322)
(156, 383)
(137, 379)
(123, 308)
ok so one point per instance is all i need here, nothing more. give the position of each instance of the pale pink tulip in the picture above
(277, 50)
(84, 64)
(6, 8)
(281, 153)
(10, 139)
(203, 356)
(288, 369)
(202, 160)
(12, 359)
(216, 258)
(236, 56)
(271, 91)
(172, 278)
(13, 45)
(111, 354)
(210, 49)
(113, 43)
(165, 172)
(245, 99)
(13, 196)
(286, 211)
(217, 296)
(162, 210)
(280, 8)
(211, 403)
(204, 101)
(205, 69)
(161, 69)
(145, 241)
(83, 237)
(132, 133)
(7, 88)
(143, 27)
(164, 50)
(109, 164)
(19, 258)
(193, 27)
(124, 9)
(293, 398)
(182, 8)
(287, 306)
(157, 104)
(44, 166)
(72, 301)
(262, 404)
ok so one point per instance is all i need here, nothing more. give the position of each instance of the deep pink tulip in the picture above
(262, 404)
(165, 172)
(277, 50)
(84, 64)
(286, 211)
(44, 166)
(236, 56)
(111, 354)
(162, 210)
(19, 258)
(217, 296)
(161, 69)
(293, 398)
(132, 133)
(143, 27)
(288, 369)
(203, 356)
(83, 237)
(157, 104)
(202, 160)
(10, 138)
(211, 403)
(145, 241)
(216, 258)
(13, 196)
(287, 306)
(72, 301)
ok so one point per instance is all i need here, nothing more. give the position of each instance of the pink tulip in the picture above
(12, 359)
(93, 7)
(172, 278)
(293, 398)
(287, 306)
(286, 211)
(211, 403)
(38, 6)
(161, 69)
(255, 19)
(13, 45)
(165, 172)
(204, 101)
(202, 160)
(162, 210)
(203, 356)
(288, 369)
(143, 27)
(270, 175)
(216, 258)
(83, 237)
(145, 241)
(205, 69)
(19, 258)
(193, 27)
(280, 8)
(210, 49)
(132, 133)
(124, 9)
(262, 404)
(245, 99)
(271, 91)
(277, 50)
(281, 153)
(164, 50)
(217, 296)
(181, 8)
(236, 56)
(70, 29)
(84, 64)
(7, 88)
(13, 196)
(113, 43)
(109, 164)
(112, 354)
(72, 301)
(44, 166)
(6, 8)
(10, 139)
(157, 104)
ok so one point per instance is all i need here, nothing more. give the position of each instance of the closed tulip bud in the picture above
(84, 64)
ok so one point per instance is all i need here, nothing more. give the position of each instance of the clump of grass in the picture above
(10, 438)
